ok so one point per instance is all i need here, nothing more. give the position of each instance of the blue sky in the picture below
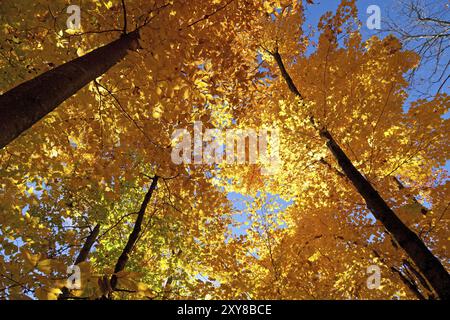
(389, 9)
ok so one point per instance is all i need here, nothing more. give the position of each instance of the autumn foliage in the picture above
(92, 182)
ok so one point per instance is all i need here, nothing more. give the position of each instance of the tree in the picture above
(81, 187)
(24, 105)
(427, 263)
(29, 102)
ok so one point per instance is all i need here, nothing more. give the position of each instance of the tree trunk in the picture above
(125, 255)
(428, 264)
(26, 104)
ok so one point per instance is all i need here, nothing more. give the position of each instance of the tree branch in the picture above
(124, 8)
(90, 240)
(401, 186)
(123, 259)
(286, 75)
(82, 256)
(409, 284)
(207, 16)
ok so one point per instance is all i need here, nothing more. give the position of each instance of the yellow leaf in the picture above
(108, 4)
(314, 257)
(186, 93)
(45, 266)
(31, 258)
(80, 52)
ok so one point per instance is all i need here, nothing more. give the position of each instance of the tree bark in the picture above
(82, 256)
(90, 240)
(420, 278)
(411, 285)
(427, 263)
(124, 256)
(26, 104)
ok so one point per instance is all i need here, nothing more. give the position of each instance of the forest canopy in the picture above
(220, 149)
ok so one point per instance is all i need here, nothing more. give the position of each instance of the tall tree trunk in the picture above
(125, 255)
(427, 263)
(26, 104)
